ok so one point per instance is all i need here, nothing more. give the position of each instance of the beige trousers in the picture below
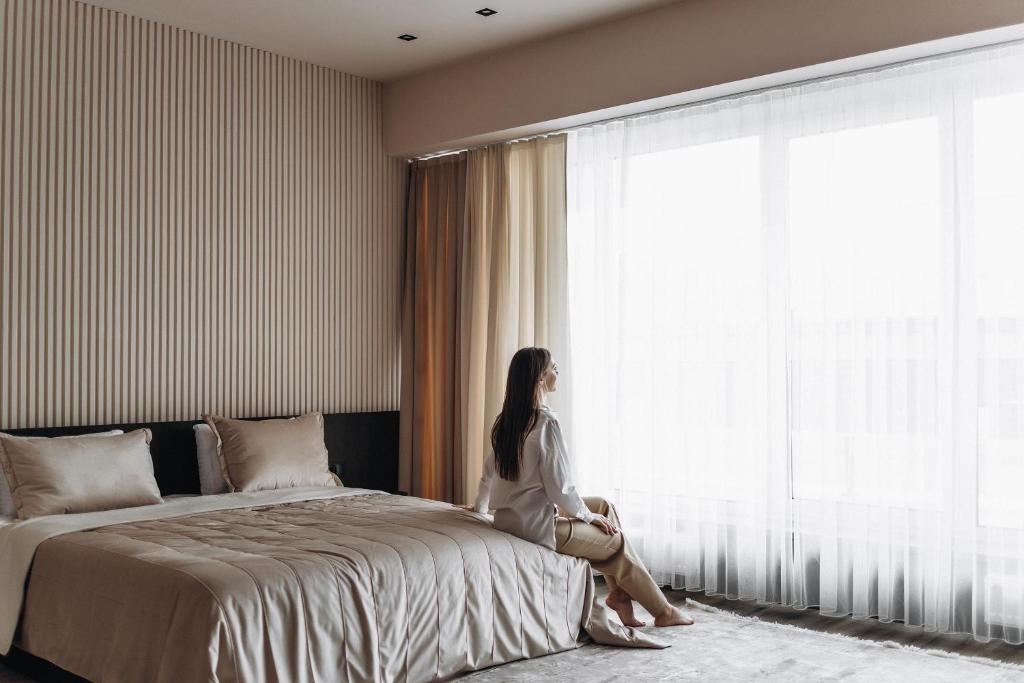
(613, 556)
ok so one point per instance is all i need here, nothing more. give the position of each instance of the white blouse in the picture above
(526, 507)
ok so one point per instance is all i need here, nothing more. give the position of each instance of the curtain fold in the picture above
(484, 275)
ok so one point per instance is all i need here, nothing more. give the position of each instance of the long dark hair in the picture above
(519, 411)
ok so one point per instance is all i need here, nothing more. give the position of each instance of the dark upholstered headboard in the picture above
(364, 445)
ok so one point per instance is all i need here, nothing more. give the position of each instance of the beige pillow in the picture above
(7, 508)
(69, 474)
(272, 454)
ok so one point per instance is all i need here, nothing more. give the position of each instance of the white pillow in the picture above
(7, 508)
(211, 478)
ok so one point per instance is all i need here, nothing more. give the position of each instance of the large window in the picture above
(998, 264)
(797, 323)
(667, 252)
(865, 288)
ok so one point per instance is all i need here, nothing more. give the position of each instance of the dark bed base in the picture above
(363, 445)
(38, 669)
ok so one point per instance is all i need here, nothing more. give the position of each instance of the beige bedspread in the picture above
(313, 585)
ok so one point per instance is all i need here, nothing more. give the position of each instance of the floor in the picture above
(728, 646)
(870, 629)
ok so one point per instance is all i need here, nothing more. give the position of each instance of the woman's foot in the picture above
(620, 601)
(672, 616)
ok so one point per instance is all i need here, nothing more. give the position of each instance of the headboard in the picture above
(364, 445)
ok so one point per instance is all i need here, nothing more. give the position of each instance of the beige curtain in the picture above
(485, 274)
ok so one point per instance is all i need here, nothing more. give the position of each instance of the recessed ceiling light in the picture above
(407, 37)
(486, 12)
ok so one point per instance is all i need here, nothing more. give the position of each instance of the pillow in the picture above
(272, 454)
(78, 474)
(7, 508)
(211, 480)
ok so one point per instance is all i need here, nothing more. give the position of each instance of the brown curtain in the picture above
(435, 215)
(485, 275)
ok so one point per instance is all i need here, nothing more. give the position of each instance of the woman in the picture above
(526, 482)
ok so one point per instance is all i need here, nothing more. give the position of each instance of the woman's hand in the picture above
(602, 523)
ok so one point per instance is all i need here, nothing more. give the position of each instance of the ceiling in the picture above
(360, 36)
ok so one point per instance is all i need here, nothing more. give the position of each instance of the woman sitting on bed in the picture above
(526, 482)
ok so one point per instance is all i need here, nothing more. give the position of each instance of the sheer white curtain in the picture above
(797, 332)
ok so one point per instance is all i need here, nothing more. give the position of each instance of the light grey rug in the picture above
(727, 647)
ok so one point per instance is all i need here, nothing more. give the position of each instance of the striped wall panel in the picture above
(187, 225)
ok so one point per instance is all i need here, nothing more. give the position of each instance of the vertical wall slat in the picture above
(187, 225)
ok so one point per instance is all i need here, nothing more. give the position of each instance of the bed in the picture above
(312, 584)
